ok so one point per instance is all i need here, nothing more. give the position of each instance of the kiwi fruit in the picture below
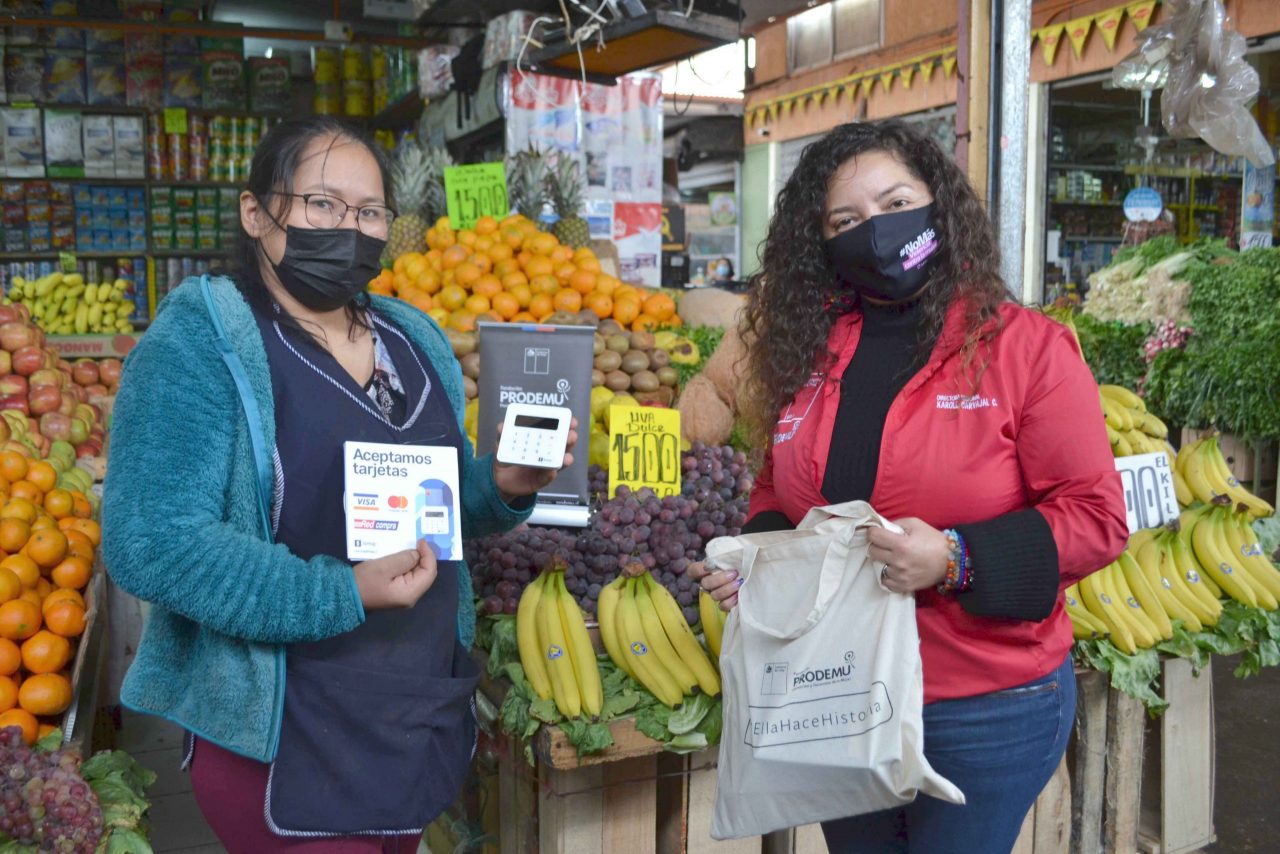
(597, 377)
(618, 343)
(645, 381)
(461, 342)
(471, 365)
(563, 318)
(597, 344)
(635, 361)
(609, 360)
(642, 340)
(587, 317)
(609, 326)
(668, 376)
(659, 358)
(617, 381)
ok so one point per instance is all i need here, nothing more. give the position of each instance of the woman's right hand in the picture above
(398, 580)
(722, 584)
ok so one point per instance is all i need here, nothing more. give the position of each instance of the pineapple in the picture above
(417, 175)
(566, 193)
(527, 183)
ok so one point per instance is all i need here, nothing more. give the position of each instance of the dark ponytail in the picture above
(275, 161)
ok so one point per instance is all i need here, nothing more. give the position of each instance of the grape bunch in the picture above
(1168, 335)
(666, 534)
(44, 802)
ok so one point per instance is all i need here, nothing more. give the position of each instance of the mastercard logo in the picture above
(397, 502)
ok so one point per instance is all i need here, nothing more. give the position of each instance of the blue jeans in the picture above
(1000, 749)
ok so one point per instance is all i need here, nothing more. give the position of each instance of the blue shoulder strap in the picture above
(253, 414)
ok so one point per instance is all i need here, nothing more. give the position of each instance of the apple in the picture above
(78, 390)
(16, 446)
(15, 401)
(24, 313)
(55, 425)
(79, 431)
(12, 384)
(27, 360)
(39, 336)
(8, 314)
(69, 402)
(50, 359)
(85, 372)
(44, 398)
(33, 426)
(6, 362)
(97, 390)
(91, 448)
(86, 413)
(47, 376)
(97, 431)
(110, 370)
(16, 335)
(42, 445)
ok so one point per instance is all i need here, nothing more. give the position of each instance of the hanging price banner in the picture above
(644, 449)
(475, 191)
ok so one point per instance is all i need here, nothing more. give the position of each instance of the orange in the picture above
(45, 694)
(463, 320)
(505, 268)
(14, 534)
(453, 256)
(61, 594)
(429, 281)
(435, 260)
(467, 238)
(24, 567)
(31, 595)
(47, 548)
(18, 508)
(600, 304)
(44, 522)
(542, 244)
(483, 245)
(627, 291)
(524, 317)
(466, 273)
(561, 254)
(625, 310)
(88, 527)
(10, 657)
(645, 322)
(45, 652)
(422, 303)
(78, 545)
(66, 619)
(399, 282)
(8, 694)
(10, 585)
(587, 263)
(440, 316)
(43, 475)
(512, 236)
(72, 573)
(487, 286)
(513, 280)
(83, 509)
(567, 299)
(660, 306)
(583, 281)
(19, 620)
(565, 272)
(546, 284)
(58, 503)
(505, 304)
(477, 304)
(13, 466)
(486, 225)
(541, 306)
(45, 729)
(539, 266)
(451, 298)
(482, 260)
(24, 720)
(500, 252)
(523, 294)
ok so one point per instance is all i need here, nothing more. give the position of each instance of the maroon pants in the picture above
(231, 792)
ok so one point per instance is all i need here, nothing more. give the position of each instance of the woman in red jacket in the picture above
(887, 363)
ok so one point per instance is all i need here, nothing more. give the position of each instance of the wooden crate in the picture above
(1178, 784)
(687, 795)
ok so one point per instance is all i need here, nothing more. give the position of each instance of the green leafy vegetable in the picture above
(687, 743)
(587, 737)
(503, 646)
(1113, 350)
(1137, 675)
(653, 720)
(686, 718)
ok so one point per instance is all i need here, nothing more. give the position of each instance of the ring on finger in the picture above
(884, 572)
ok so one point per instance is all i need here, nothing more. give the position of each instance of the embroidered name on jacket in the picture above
(796, 412)
(962, 401)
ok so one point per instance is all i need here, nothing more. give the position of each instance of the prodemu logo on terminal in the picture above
(397, 495)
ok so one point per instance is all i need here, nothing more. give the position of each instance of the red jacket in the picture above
(1032, 436)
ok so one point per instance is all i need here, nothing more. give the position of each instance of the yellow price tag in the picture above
(644, 449)
(175, 120)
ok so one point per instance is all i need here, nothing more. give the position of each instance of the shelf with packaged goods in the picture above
(136, 182)
(97, 256)
(1084, 204)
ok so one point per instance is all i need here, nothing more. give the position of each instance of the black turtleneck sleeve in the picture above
(1015, 558)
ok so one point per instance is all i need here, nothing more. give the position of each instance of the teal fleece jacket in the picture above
(183, 531)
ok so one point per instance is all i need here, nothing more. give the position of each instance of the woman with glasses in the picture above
(327, 706)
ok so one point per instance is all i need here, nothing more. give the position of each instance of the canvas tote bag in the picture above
(822, 681)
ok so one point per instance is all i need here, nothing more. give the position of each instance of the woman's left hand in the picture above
(518, 481)
(914, 559)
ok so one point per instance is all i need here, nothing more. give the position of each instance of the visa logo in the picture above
(366, 502)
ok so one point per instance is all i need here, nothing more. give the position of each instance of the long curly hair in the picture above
(786, 323)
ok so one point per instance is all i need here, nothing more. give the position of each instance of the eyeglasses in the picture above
(323, 211)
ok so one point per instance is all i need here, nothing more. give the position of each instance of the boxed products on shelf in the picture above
(110, 219)
(187, 218)
(21, 142)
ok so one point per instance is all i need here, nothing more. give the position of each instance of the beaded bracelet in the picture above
(959, 567)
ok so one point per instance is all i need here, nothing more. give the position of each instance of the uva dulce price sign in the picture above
(644, 449)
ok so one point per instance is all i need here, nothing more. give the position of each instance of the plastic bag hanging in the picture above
(1206, 82)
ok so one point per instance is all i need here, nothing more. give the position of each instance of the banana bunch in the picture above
(555, 649)
(1130, 427)
(63, 304)
(646, 635)
(1204, 471)
(1229, 551)
(712, 617)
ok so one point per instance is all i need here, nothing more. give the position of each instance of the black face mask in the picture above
(888, 257)
(324, 268)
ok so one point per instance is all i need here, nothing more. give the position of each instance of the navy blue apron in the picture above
(378, 729)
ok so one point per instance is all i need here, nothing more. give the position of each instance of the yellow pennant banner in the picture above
(1140, 14)
(949, 64)
(926, 70)
(1108, 23)
(868, 83)
(907, 72)
(1078, 32)
(1050, 41)
(886, 80)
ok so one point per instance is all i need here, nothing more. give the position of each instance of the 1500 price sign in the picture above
(644, 449)
(476, 191)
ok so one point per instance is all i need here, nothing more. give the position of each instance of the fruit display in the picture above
(65, 304)
(648, 637)
(50, 800)
(555, 649)
(712, 619)
(1204, 470)
(1130, 427)
(417, 173)
(48, 535)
